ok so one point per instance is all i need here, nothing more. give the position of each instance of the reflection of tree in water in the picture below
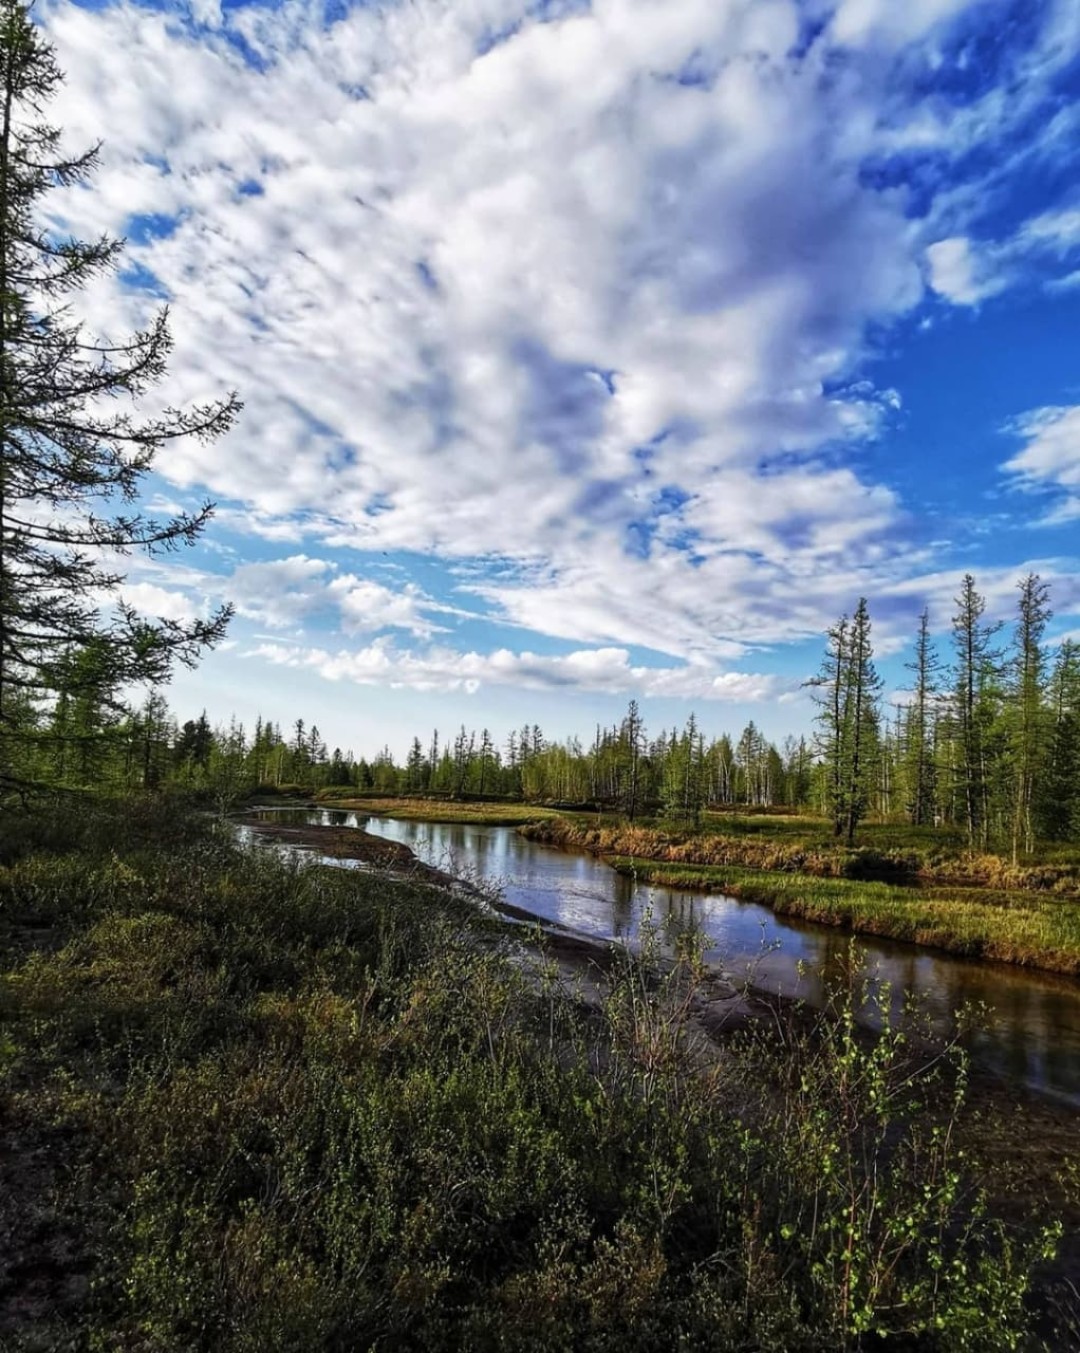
(677, 914)
(623, 888)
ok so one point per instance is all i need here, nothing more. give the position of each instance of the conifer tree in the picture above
(848, 742)
(1058, 789)
(1027, 723)
(72, 457)
(919, 737)
(976, 668)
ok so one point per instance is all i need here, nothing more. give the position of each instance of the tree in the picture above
(631, 743)
(848, 743)
(862, 732)
(1058, 791)
(71, 462)
(831, 698)
(976, 667)
(919, 749)
(683, 781)
(1027, 723)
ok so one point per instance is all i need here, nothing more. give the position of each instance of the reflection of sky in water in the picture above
(1036, 1036)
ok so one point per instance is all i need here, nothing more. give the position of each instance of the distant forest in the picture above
(987, 739)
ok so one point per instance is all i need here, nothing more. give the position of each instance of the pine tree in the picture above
(862, 735)
(65, 455)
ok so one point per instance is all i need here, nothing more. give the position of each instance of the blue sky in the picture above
(591, 351)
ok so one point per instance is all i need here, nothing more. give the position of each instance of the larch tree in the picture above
(848, 743)
(832, 720)
(976, 668)
(918, 732)
(1028, 725)
(73, 445)
(1058, 788)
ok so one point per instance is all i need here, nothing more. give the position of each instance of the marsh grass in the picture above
(493, 813)
(270, 1106)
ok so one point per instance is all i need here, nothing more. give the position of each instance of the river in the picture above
(1034, 1037)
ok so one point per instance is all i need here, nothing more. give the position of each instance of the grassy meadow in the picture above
(248, 1103)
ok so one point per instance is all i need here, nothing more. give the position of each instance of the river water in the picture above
(1034, 1036)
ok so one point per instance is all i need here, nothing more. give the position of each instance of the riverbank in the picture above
(253, 1103)
(1033, 926)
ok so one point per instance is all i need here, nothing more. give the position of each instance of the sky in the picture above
(589, 351)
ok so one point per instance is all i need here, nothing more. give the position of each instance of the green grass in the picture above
(1029, 928)
(488, 814)
(249, 1104)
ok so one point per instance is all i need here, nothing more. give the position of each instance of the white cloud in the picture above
(368, 606)
(1050, 460)
(860, 22)
(280, 592)
(1056, 230)
(422, 299)
(162, 603)
(606, 670)
(961, 273)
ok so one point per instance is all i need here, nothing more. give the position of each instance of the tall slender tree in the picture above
(976, 667)
(831, 697)
(1058, 790)
(863, 687)
(67, 451)
(918, 732)
(1028, 724)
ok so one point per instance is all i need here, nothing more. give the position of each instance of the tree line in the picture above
(987, 741)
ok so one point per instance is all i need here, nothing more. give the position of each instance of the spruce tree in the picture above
(72, 449)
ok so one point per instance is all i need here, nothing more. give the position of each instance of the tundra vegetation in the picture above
(252, 1103)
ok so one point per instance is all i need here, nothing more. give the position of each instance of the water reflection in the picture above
(1035, 1037)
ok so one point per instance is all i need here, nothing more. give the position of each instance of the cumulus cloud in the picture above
(160, 602)
(606, 670)
(368, 606)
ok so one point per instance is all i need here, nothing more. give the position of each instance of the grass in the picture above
(488, 814)
(250, 1104)
(898, 854)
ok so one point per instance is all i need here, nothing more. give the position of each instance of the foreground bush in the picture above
(269, 1106)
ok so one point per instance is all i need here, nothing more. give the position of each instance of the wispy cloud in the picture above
(1050, 460)
(607, 670)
